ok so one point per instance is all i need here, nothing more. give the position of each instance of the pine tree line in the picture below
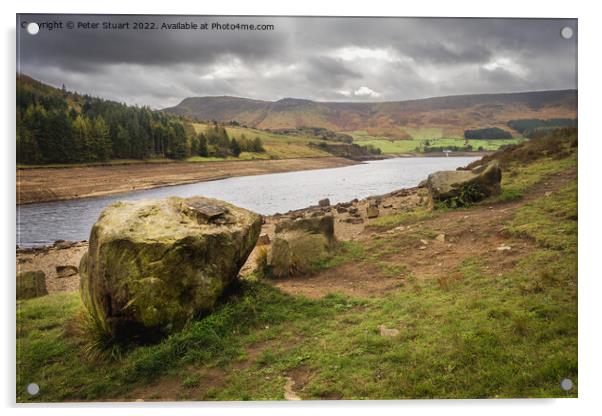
(57, 126)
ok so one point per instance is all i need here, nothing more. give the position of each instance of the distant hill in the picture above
(453, 114)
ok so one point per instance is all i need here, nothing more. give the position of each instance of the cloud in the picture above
(355, 59)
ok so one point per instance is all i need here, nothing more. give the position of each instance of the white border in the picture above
(590, 200)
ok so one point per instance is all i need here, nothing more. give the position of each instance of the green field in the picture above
(422, 137)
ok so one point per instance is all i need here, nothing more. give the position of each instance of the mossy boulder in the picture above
(299, 243)
(153, 265)
(31, 284)
(465, 186)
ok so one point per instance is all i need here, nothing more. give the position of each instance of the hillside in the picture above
(474, 302)
(60, 126)
(452, 114)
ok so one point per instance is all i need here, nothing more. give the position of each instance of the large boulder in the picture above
(465, 186)
(298, 244)
(153, 265)
(31, 284)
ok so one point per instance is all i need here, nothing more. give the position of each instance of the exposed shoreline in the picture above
(58, 184)
(47, 184)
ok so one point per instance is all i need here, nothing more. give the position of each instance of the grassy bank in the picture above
(472, 320)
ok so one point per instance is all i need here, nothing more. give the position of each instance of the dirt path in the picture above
(51, 184)
(456, 236)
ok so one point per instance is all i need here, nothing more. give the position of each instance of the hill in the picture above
(452, 114)
(474, 302)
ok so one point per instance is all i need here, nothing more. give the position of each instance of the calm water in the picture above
(43, 223)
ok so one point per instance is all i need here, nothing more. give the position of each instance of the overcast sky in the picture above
(326, 59)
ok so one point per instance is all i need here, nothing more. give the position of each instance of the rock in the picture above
(263, 240)
(66, 271)
(388, 332)
(422, 184)
(474, 185)
(372, 211)
(62, 244)
(387, 205)
(440, 238)
(324, 202)
(353, 220)
(424, 242)
(353, 210)
(153, 265)
(297, 244)
(344, 204)
(341, 210)
(504, 247)
(31, 284)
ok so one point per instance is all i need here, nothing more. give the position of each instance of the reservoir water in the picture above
(43, 223)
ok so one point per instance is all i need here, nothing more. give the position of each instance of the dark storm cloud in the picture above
(315, 58)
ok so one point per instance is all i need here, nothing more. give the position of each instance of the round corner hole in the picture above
(33, 389)
(566, 32)
(33, 28)
(566, 384)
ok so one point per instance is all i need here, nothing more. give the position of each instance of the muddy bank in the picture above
(53, 184)
(351, 219)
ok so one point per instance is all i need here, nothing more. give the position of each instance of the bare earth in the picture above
(52, 184)
(478, 232)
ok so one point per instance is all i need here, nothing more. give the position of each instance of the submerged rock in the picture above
(31, 284)
(153, 265)
(297, 244)
(467, 185)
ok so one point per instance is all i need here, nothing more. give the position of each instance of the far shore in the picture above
(45, 184)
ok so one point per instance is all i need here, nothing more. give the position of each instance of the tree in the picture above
(203, 148)
(234, 147)
(101, 141)
(258, 145)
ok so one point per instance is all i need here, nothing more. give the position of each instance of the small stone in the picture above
(372, 211)
(263, 240)
(63, 244)
(440, 238)
(66, 271)
(424, 242)
(388, 332)
(504, 247)
(548, 193)
(324, 202)
(422, 248)
(31, 284)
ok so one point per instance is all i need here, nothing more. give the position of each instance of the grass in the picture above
(403, 218)
(550, 221)
(518, 179)
(480, 329)
(419, 136)
(277, 146)
(410, 146)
